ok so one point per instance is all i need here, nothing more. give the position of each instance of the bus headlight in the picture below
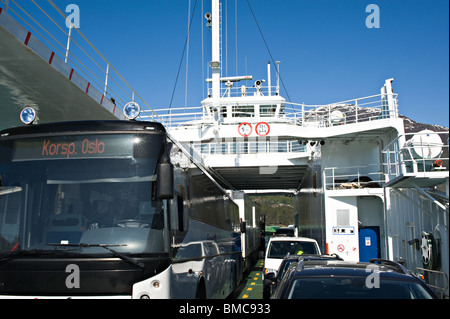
(28, 115)
(131, 110)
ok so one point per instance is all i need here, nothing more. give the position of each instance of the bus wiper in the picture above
(107, 247)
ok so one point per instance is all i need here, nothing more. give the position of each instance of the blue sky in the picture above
(326, 51)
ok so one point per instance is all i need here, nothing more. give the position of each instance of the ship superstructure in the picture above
(363, 188)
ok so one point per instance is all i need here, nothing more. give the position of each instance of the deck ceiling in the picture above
(264, 178)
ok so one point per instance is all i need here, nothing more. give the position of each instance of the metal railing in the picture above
(437, 280)
(250, 147)
(416, 153)
(47, 22)
(358, 110)
(353, 177)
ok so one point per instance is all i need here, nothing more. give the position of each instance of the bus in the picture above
(112, 209)
(252, 241)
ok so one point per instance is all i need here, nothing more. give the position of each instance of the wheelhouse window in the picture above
(243, 110)
(267, 110)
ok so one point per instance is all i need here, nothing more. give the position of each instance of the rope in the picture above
(268, 50)
(182, 56)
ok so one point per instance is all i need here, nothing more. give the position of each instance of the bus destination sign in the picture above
(73, 147)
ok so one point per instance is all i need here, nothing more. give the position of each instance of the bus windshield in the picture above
(96, 189)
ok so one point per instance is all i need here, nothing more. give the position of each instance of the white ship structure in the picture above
(363, 188)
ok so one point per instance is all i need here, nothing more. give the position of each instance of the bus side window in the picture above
(180, 209)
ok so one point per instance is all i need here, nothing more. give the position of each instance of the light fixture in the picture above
(28, 115)
(215, 64)
(131, 110)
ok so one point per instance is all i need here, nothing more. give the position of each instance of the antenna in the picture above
(278, 77)
(215, 63)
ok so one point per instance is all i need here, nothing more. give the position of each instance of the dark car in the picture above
(330, 279)
(271, 280)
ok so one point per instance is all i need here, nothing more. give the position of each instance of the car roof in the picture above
(303, 239)
(349, 268)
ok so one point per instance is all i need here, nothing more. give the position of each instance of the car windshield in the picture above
(354, 288)
(279, 249)
(81, 189)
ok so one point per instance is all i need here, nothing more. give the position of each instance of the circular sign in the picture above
(245, 129)
(340, 248)
(262, 129)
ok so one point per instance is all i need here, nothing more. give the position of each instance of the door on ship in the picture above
(369, 243)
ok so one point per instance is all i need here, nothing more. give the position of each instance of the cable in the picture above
(182, 56)
(268, 50)
(187, 61)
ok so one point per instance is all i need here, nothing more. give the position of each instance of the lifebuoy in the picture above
(437, 163)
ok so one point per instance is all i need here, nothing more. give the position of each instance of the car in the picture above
(334, 279)
(271, 280)
(279, 247)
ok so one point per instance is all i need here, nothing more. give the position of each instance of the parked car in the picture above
(271, 280)
(330, 279)
(279, 247)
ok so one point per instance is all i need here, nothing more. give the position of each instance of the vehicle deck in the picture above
(252, 285)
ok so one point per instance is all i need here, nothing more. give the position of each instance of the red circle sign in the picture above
(245, 129)
(262, 129)
(340, 248)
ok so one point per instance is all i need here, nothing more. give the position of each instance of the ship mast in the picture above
(215, 63)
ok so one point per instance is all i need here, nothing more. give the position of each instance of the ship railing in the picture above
(401, 157)
(173, 117)
(358, 110)
(262, 146)
(436, 280)
(369, 108)
(353, 177)
(74, 55)
(246, 91)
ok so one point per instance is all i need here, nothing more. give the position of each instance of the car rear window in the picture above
(354, 288)
(279, 249)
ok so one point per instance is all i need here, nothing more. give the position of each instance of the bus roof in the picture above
(84, 126)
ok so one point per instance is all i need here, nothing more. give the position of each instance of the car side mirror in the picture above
(243, 227)
(270, 276)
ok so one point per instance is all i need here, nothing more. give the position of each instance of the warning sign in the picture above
(245, 129)
(340, 248)
(262, 129)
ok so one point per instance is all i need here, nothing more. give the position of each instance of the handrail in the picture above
(400, 156)
(432, 280)
(265, 146)
(358, 110)
(47, 22)
(351, 177)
